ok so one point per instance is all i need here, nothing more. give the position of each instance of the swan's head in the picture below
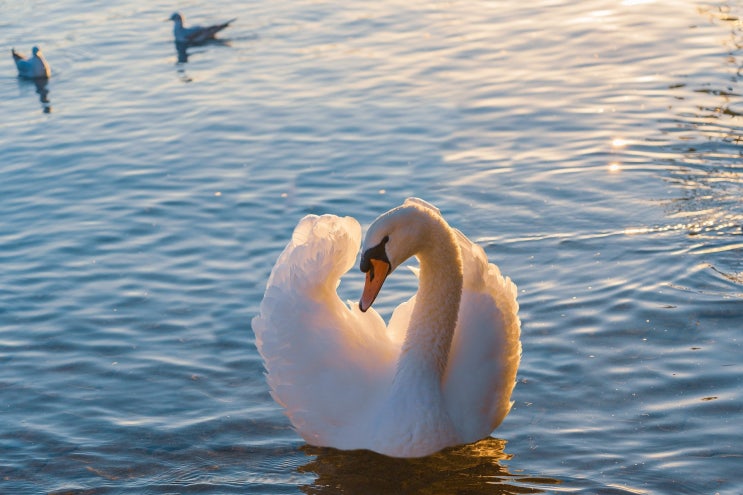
(376, 264)
(391, 239)
(36, 51)
(177, 18)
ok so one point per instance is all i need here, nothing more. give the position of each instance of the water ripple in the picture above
(593, 150)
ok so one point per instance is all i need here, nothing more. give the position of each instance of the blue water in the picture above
(594, 150)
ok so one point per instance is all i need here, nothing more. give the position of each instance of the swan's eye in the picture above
(374, 253)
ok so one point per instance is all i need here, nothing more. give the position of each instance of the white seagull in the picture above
(195, 34)
(35, 67)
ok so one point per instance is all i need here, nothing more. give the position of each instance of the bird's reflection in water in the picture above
(42, 89)
(182, 50)
(472, 469)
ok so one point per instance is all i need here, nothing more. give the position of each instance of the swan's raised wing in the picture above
(486, 349)
(323, 359)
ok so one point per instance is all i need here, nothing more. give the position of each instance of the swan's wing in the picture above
(323, 359)
(486, 349)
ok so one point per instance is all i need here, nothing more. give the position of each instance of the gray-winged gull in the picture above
(195, 34)
(34, 67)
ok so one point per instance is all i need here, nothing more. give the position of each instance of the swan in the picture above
(35, 67)
(439, 374)
(195, 34)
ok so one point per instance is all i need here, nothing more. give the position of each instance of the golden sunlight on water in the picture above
(592, 148)
(477, 468)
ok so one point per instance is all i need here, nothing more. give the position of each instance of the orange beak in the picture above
(375, 277)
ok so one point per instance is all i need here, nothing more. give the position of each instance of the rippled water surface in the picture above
(594, 149)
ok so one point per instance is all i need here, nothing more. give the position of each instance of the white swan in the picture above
(440, 374)
(34, 67)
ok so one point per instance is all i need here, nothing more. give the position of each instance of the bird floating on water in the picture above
(35, 67)
(439, 374)
(195, 34)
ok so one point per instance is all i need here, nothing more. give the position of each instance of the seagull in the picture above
(195, 34)
(35, 67)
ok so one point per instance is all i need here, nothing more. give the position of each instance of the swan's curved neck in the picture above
(434, 317)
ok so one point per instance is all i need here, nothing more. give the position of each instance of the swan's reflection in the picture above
(42, 89)
(472, 469)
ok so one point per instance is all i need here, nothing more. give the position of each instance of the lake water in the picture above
(594, 149)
